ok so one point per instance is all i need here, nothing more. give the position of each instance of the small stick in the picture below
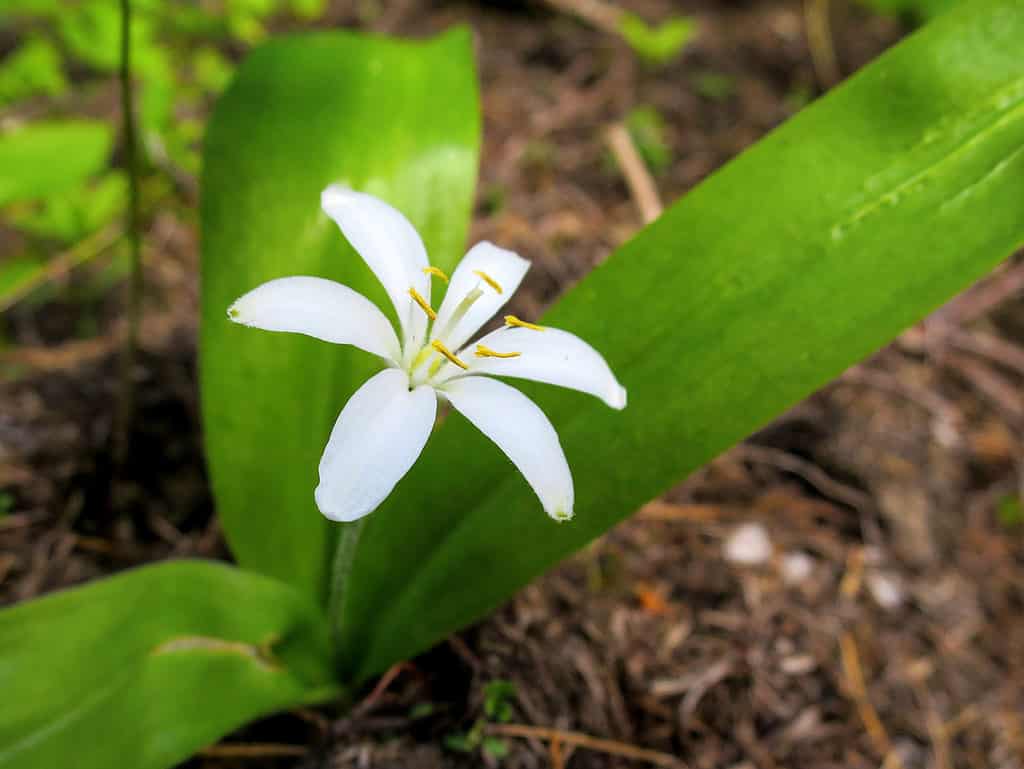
(638, 178)
(854, 675)
(63, 263)
(609, 747)
(378, 691)
(557, 759)
(253, 750)
(820, 42)
(659, 510)
(602, 15)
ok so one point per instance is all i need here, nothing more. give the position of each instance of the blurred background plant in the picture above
(56, 82)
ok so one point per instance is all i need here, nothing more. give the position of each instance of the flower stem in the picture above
(341, 572)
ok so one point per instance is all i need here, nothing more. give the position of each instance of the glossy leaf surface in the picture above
(802, 256)
(397, 119)
(142, 669)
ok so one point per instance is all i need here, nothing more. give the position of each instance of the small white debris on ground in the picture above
(796, 567)
(748, 545)
(885, 589)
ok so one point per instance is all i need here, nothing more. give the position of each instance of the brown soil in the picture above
(885, 628)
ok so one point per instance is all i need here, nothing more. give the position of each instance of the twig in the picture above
(385, 681)
(820, 42)
(809, 471)
(989, 346)
(253, 750)
(126, 407)
(990, 384)
(63, 263)
(602, 15)
(659, 510)
(557, 757)
(67, 356)
(609, 747)
(638, 178)
(854, 675)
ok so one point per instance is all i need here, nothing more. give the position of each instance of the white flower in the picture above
(385, 425)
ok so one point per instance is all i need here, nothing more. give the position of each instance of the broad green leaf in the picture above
(142, 669)
(800, 257)
(398, 119)
(27, 167)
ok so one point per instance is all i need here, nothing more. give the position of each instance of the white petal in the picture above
(521, 430)
(378, 435)
(389, 245)
(319, 308)
(551, 356)
(504, 267)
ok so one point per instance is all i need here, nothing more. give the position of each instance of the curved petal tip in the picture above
(617, 398)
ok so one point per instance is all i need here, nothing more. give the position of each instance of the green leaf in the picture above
(805, 254)
(657, 43)
(647, 128)
(1010, 511)
(142, 669)
(74, 213)
(397, 119)
(34, 68)
(27, 154)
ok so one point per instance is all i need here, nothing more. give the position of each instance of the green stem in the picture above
(341, 572)
(127, 401)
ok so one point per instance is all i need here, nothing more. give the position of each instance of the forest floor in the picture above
(845, 589)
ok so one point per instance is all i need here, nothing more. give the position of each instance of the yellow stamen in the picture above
(488, 280)
(483, 351)
(512, 320)
(422, 303)
(436, 271)
(437, 345)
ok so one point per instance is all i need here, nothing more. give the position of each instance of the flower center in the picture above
(438, 346)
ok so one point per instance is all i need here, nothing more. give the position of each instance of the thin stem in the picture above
(126, 407)
(344, 558)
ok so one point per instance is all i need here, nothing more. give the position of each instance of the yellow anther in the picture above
(512, 320)
(436, 271)
(416, 297)
(488, 280)
(437, 345)
(483, 351)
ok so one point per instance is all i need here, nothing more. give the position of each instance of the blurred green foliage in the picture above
(715, 86)
(34, 67)
(657, 43)
(27, 156)
(68, 52)
(647, 128)
(498, 697)
(1011, 511)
